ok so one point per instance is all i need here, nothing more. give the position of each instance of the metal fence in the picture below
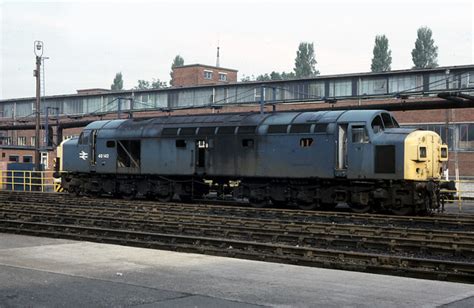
(463, 194)
(26, 180)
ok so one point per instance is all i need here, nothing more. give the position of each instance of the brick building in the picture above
(456, 126)
(199, 74)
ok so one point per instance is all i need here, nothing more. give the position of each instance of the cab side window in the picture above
(359, 134)
(377, 125)
(387, 120)
(84, 138)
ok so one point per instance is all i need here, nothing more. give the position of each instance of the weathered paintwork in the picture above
(333, 150)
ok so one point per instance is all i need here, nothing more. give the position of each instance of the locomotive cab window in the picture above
(110, 144)
(422, 153)
(359, 134)
(84, 138)
(387, 120)
(306, 142)
(377, 125)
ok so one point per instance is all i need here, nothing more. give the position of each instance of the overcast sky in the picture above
(89, 41)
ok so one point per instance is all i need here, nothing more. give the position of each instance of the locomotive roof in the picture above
(152, 127)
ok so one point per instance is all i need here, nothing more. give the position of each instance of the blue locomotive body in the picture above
(310, 159)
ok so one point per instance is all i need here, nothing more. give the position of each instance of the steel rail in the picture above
(435, 249)
(251, 224)
(367, 262)
(449, 223)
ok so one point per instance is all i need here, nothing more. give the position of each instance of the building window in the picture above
(14, 158)
(373, 86)
(340, 88)
(21, 140)
(207, 74)
(44, 159)
(222, 77)
(466, 137)
(8, 140)
(33, 141)
(27, 159)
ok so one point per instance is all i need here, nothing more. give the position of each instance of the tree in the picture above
(158, 84)
(142, 85)
(290, 75)
(305, 61)
(155, 84)
(118, 82)
(275, 76)
(177, 61)
(264, 77)
(382, 55)
(425, 53)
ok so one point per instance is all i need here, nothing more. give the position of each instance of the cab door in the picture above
(84, 153)
(358, 151)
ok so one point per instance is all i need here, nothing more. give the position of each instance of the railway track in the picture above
(400, 242)
(437, 222)
(435, 254)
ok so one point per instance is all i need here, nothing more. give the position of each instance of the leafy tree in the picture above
(264, 77)
(382, 55)
(247, 78)
(290, 75)
(305, 61)
(155, 84)
(142, 85)
(177, 61)
(275, 76)
(118, 82)
(425, 53)
(158, 84)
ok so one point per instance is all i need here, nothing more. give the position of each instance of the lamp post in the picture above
(38, 48)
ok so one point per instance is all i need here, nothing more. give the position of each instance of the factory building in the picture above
(193, 92)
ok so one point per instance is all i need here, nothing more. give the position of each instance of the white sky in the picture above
(89, 41)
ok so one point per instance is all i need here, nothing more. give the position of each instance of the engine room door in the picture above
(341, 151)
(201, 156)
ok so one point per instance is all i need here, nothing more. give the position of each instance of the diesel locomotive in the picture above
(312, 160)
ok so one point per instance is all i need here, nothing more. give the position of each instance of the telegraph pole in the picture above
(38, 47)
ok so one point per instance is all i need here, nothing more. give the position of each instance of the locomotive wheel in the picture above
(258, 203)
(307, 206)
(164, 198)
(186, 198)
(279, 203)
(328, 206)
(129, 196)
(402, 210)
(360, 208)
